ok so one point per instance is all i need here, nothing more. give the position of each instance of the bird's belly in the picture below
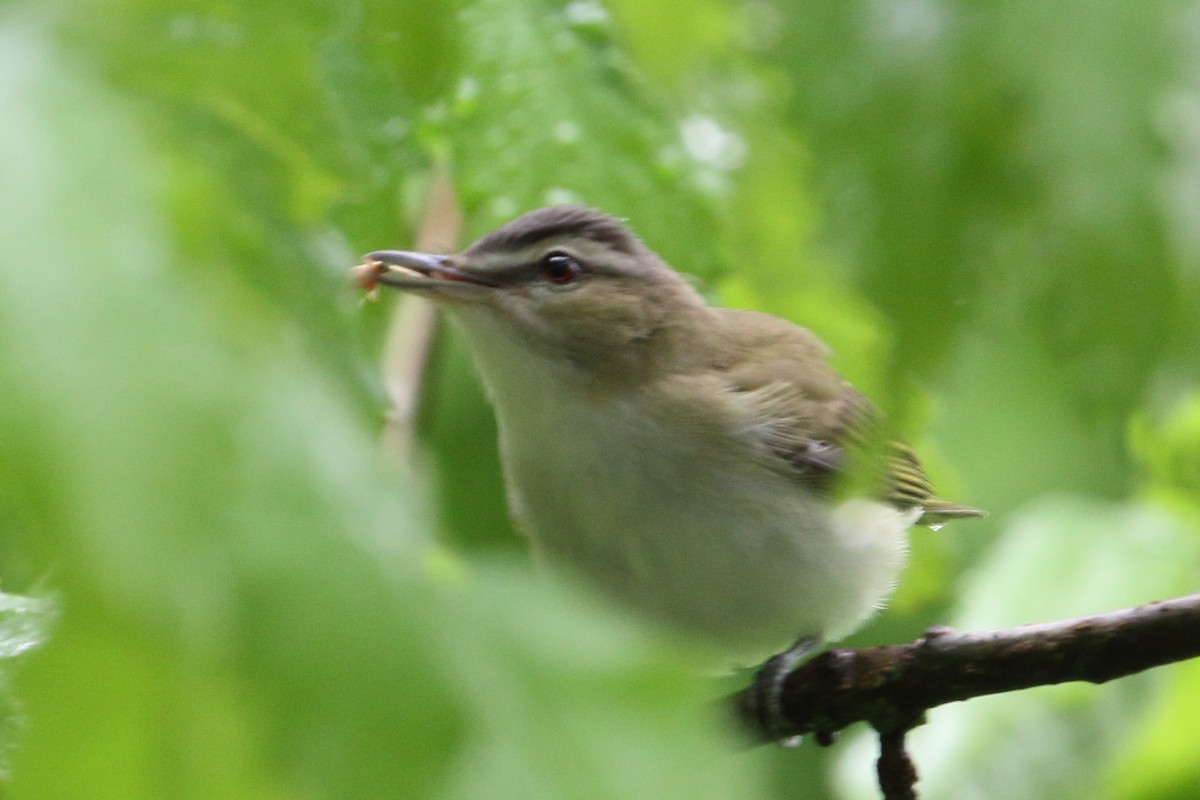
(728, 552)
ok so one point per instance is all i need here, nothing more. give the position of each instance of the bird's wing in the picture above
(816, 428)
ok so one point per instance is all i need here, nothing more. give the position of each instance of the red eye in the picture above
(560, 268)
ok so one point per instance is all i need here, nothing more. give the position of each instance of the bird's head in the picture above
(569, 284)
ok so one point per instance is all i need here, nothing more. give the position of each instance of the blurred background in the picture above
(214, 586)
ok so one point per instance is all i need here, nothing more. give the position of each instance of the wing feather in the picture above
(816, 427)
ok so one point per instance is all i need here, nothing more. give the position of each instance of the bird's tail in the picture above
(938, 512)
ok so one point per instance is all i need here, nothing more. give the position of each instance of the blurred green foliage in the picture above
(988, 210)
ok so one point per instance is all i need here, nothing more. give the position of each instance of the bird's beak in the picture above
(410, 271)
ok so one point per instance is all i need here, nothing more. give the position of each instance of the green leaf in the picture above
(1160, 763)
(548, 111)
(998, 160)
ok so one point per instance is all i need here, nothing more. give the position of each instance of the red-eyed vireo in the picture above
(681, 458)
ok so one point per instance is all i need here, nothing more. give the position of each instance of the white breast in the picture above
(717, 547)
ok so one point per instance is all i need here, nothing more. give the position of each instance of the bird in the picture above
(699, 465)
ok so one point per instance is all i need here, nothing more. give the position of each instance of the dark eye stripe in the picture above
(532, 271)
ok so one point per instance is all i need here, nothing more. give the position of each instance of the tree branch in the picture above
(891, 687)
(897, 774)
(409, 348)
